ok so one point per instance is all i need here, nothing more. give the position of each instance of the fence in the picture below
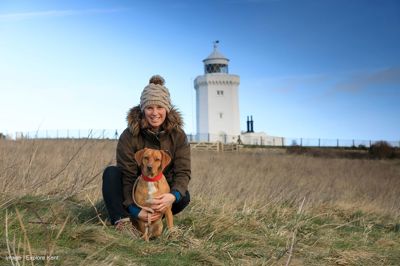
(339, 143)
(214, 146)
(265, 140)
(260, 140)
(223, 138)
(69, 134)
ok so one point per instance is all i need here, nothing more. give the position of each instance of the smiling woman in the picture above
(155, 116)
(155, 124)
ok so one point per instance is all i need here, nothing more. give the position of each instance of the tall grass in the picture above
(248, 208)
(74, 167)
(271, 177)
(54, 167)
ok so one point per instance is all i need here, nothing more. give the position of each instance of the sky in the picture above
(308, 68)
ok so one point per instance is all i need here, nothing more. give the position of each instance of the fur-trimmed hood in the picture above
(136, 120)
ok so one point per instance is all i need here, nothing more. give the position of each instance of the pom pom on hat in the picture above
(157, 79)
(155, 93)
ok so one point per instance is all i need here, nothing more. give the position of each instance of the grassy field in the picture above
(248, 208)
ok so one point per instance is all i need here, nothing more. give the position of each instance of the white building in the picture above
(217, 106)
(259, 138)
(217, 101)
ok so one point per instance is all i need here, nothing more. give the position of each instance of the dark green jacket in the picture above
(171, 138)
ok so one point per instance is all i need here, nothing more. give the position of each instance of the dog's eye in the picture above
(158, 159)
(146, 157)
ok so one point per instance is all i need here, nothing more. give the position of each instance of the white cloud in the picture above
(359, 82)
(55, 13)
(288, 84)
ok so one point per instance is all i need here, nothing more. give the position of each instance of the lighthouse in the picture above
(217, 100)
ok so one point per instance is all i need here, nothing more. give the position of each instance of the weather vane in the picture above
(215, 44)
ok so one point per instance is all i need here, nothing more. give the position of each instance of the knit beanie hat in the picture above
(155, 93)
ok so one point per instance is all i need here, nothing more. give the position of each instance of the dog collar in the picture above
(152, 179)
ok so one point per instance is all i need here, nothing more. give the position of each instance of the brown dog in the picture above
(151, 184)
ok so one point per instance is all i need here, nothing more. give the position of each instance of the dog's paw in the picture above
(173, 233)
(125, 226)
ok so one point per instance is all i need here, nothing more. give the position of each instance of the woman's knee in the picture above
(182, 204)
(111, 172)
(186, 198)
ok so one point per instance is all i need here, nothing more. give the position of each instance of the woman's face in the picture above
(155, 115)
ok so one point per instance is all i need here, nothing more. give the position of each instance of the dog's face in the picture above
(152, 162)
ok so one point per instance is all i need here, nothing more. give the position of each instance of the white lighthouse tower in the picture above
(217, 100)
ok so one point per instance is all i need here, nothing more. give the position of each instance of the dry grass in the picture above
(74, 168)
(268, 178)
(245, 209)
(54, 167)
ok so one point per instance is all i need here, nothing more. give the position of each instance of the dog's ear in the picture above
(139, 156)
(166, 159)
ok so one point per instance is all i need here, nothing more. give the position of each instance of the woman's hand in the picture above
(143, 215)
(160, 203)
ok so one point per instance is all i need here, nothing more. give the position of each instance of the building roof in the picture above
(216, 57)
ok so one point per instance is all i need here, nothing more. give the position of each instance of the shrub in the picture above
(381, 150)
(296, 149)
(362, 147)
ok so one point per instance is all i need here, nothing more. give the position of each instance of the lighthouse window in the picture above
(221, 115)
(220, 93)
(216, 68)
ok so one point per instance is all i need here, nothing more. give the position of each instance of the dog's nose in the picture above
(149, 168)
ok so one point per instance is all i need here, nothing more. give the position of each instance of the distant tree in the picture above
(362, 147)
(381, 150)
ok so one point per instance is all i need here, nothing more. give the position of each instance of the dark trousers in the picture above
(113, 198)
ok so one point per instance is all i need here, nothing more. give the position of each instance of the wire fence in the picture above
(69, 134)
(260, 140)
(265, 140)
(339, 143)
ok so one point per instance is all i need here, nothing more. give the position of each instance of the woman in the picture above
(152, 124)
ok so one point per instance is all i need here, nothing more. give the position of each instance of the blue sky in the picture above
(308, 68)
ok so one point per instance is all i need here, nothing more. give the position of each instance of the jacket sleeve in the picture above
(182, 164)
(127, 164)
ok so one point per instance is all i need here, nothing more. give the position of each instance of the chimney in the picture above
(251, 124)
(248, 125)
